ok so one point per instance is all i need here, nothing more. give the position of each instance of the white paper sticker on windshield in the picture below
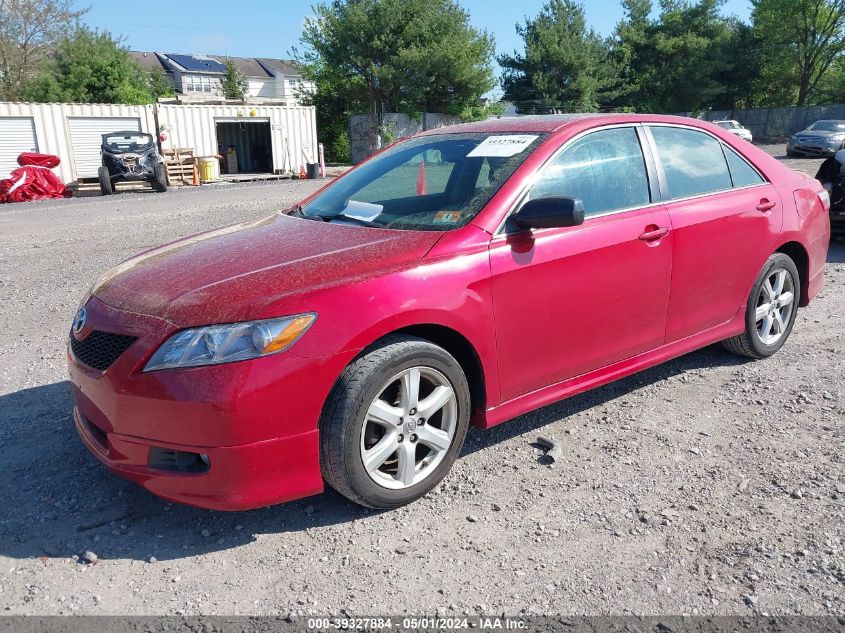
(502, 146)
(363, 210)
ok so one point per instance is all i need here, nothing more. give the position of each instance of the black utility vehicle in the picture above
(130, 156)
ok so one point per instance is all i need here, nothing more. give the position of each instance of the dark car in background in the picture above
(822, 138)
(831, 174)
(130, 156)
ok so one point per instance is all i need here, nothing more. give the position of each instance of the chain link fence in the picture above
(776, 125)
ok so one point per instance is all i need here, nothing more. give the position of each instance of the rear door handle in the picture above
(766, 205)
(654, 234)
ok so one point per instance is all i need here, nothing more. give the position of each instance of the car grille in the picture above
(100, 349)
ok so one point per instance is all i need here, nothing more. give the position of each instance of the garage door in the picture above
(17, 134)
(86, 136)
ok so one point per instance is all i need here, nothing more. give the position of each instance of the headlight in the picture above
(215, 344)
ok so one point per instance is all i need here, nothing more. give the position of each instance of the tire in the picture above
(349, 432)
(767, 331)
(791, 154)
(160, 182)
(106, 186)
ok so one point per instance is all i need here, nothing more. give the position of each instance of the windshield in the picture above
(828, 126)
(428, 183)
(728, 125)
(127, 142)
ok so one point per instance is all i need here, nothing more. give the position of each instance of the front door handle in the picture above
(766, 205)
(653, 234)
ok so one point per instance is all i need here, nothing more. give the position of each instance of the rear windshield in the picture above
(429, 183)
(119, 143)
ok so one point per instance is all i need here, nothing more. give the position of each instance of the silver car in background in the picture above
(735, 127)
(822, 138)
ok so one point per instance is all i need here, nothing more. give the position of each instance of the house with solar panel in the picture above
(197, 78)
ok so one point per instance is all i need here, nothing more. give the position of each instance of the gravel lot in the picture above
(707, 485)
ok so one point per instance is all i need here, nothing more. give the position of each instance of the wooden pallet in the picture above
(180, 166)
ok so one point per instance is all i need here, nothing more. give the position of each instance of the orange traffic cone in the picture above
(303, 175)
(196, 176)
(422, 189)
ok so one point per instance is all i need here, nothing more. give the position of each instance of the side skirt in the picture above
(604, 375)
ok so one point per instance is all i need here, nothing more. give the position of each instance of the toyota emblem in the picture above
(79, 320)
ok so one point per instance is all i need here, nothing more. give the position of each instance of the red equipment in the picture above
(33, 180)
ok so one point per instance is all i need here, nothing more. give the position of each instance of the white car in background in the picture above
(734, 127)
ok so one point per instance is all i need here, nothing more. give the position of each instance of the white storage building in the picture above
(265, 138)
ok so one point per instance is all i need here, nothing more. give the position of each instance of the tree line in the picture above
(679, 56)
(415, 56)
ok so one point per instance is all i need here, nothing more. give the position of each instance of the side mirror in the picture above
(550, 212)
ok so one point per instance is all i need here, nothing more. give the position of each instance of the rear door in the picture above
(569, 300)
(725, 218)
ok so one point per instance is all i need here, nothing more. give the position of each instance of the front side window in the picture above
(693, 161)
(604, 169)
(428, 183)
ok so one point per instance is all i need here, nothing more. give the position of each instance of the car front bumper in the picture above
(812, 150)
(255, 422)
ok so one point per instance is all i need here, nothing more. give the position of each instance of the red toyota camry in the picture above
(466, 275)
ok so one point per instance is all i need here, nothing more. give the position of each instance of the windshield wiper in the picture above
(361, 221)
(299, 212)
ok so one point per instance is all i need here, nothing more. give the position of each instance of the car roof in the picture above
(553, 122)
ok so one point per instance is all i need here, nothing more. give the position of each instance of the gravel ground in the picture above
(706, 485)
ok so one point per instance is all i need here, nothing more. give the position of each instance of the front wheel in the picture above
(771, 310)
(106, 187)
(394, 423)
(160, 181)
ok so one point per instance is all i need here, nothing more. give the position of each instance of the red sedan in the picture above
(466, 275)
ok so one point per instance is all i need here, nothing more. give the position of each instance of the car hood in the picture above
(232, 273)
(820, 134)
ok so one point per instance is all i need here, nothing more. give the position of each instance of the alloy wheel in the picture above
(775, 303)
(409, 427)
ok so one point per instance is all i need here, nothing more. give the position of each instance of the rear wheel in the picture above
(160, 182)
(106, 187)
(771, 310)
(395, 423)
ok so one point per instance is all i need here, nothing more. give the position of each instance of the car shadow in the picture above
(713, 356)
(61, 502)
(836, 252)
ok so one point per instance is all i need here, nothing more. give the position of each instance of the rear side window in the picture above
(742, 174)
(605, 169)
(692, 161)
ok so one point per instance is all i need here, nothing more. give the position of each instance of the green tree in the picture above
(565, 66)
(91, 67)
(682, 61)
(29, 31)
(158, 85)
(380, 56)
(234, 84)
(801, 40)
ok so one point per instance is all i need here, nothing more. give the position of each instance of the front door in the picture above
(569, 300)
